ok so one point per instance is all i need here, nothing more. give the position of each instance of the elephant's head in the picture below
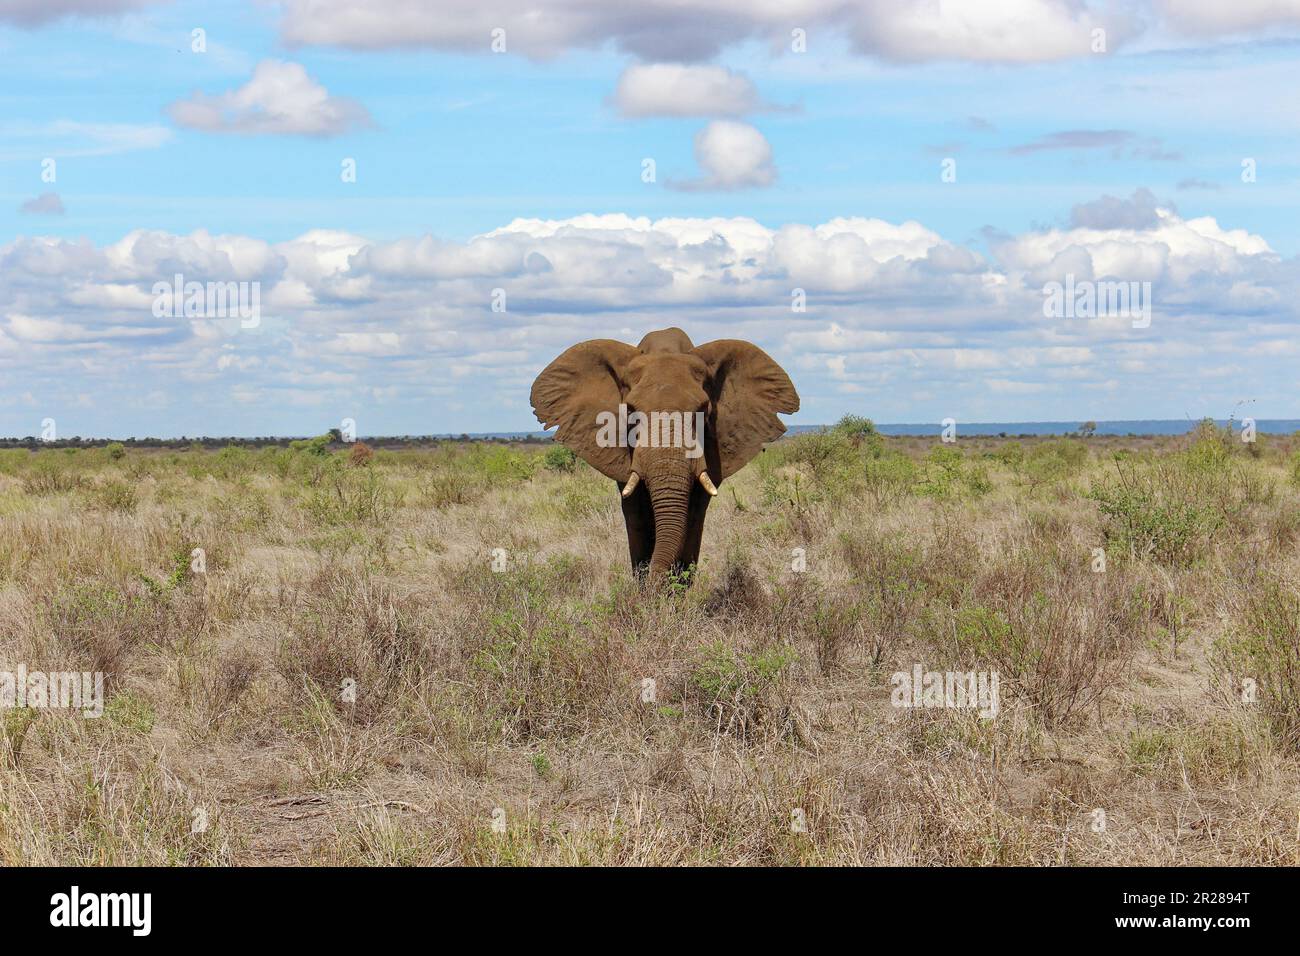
(663, 389)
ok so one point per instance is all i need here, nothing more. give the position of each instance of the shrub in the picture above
(889, 478)
(445, 488)
(825, 452)
(499, 465)
(1264, 646)
(116, 496)
(890, 572)
(352, 497)
(861, 432)
(47, 476)
(115, 451)
(1152, 511)
(100, 626)
(948, 474)
(1211, 446)
(559, 458)
(1059, 641)
(1011, 454)
(349, 632)
(738, 689)
(318, 447)
(360, 455)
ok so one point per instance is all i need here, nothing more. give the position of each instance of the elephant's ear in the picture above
(747, 389)
(574, 390)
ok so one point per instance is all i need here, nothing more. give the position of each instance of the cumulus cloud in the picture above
(46, 204)
(1140, 211)
(280, 98)
(731, 155)
(891, 312)
(29, 13)
(676, 89)
(1011, 31)
(1209, 18)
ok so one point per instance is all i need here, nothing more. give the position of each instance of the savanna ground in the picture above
(518, 696)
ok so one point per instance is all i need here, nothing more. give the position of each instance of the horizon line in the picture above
(1004, 426)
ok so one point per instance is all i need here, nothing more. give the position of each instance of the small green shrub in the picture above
(47, 476)
(948, 474)
(559, 458)
(861, 432)
(1154, 511)
(889, 478)
(724, 674)
(116, 496)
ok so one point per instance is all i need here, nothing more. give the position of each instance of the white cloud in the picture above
(46, 204)
(677, 89)
(1006, 31)
(731, 155)
(1009, 387)
(1173, 249)
(894, 312)
(280, 98)
(1215, 18)
(28, 13)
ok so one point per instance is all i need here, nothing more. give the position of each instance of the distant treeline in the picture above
(178, 444)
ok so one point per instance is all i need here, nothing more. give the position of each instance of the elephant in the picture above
(602, 394)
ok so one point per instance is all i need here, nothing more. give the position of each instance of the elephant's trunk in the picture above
(669, 482)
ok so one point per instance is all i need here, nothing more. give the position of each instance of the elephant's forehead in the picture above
(685, 369)
(666, 340)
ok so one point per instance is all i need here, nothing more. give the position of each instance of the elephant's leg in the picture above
(639, 518)
(699, 504)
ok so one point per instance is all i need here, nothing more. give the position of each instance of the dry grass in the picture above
(352, 678)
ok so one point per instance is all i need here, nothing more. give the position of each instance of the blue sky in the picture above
(775, 169)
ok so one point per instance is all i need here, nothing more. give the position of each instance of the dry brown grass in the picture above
(349, 680)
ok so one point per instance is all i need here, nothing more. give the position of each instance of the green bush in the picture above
(948, 474)
(559, 458)
(825, 452)
(861, 432)
(352, 496)
(498, 464)
(48, 476)
(1011, 454)
(115, 451)
(889, 478)
(1154, 512)
(724, 675)
(1211, 448)
(116, 496)
(318, 447)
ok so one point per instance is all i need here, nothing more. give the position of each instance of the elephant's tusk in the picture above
(708, 484)
(631, 484)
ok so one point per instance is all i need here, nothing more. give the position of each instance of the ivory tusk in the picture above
(708, 484)
(631, 484)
